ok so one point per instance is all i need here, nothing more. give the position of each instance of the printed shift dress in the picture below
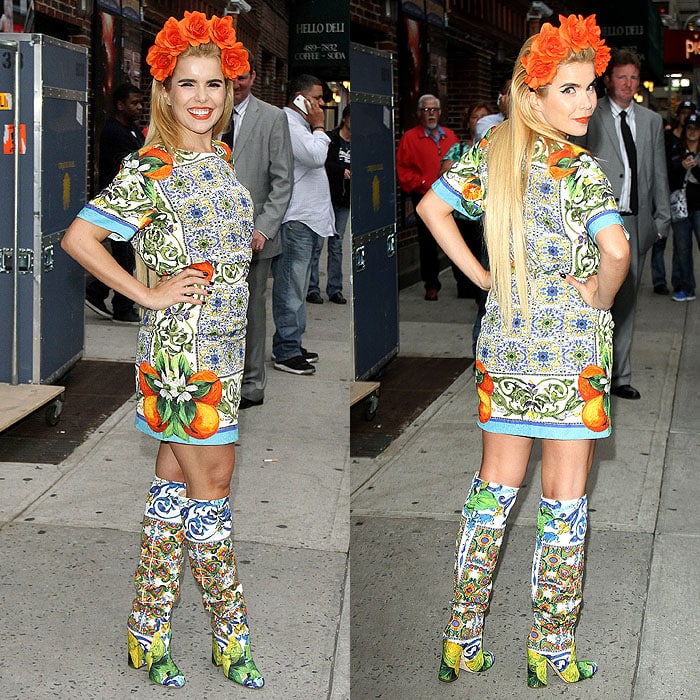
(178, 211)
(549, 377)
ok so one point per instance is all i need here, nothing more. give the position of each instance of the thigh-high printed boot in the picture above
(157, 583)
(557, 582)
(478, 543)
(207, 532)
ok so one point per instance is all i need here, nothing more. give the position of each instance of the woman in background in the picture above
(470, 229)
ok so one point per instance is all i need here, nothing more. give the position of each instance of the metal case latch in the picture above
(360, 258)
(25, 260)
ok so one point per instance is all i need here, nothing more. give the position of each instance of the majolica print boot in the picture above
(157, 583)
(207, 532)
(478, 544)
(557, 581)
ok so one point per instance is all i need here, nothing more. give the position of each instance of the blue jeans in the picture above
(658, 266)
(683, 250)
(290, 272)
(335, 256)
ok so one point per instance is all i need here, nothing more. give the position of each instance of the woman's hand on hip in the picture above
(191, 286)
(588, 291)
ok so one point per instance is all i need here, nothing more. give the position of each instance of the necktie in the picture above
(227, 138)
(631, 159)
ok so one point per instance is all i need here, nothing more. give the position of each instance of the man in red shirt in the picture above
(417, 166)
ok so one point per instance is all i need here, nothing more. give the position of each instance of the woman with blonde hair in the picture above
(178, 201)
(558, 254)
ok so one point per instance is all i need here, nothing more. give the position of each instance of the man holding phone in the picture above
(308, 220)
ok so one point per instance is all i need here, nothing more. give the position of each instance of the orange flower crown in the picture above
(554, 44)
(194, 29)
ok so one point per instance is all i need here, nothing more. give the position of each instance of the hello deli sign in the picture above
(681, 47)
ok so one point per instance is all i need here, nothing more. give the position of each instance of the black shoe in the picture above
(130, 316)
(338, 298)
(295, 365)
(431, 294)
(309, 355)
(98, 306)
(660, 289)
(625, 391)
(314, 298)
(247, 403)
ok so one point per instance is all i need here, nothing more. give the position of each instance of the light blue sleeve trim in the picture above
(110, 223)
(602, 220)
(451, 197)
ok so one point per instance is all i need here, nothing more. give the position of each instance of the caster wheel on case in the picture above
(53, 412)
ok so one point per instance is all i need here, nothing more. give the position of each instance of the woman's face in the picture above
(197, 95)
(474, 117)
(567, 104)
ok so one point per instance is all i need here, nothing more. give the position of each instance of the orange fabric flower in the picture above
(195, 28)
(192, 30)
(546, 53)
(170, 37)
(221, 31)
(602, 58)
(554, 44)
(575, 32)
(161, 61)
(234, 61)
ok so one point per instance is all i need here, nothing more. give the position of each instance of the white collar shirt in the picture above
(311, 196)
(239, 111)
(624, 203)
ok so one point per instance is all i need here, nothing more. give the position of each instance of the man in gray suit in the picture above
(621, 132)
(262, 157)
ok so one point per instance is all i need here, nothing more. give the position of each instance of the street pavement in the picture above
(69, 537)
(642, 584)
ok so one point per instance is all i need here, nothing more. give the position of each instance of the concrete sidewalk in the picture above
(642, 586)
(69, 536)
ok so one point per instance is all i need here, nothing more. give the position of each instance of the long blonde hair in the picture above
(163, 129)
(509, 154)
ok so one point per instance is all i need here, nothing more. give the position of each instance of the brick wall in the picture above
(265, 31)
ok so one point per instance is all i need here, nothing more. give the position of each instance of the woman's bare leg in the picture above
(206, 469)
(565, 468)
(505, 458)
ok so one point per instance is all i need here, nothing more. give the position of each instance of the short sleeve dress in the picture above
(549, 378)
(180, 210)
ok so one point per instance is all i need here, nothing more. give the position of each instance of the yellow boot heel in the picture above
(573, 672)
(453, 659)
